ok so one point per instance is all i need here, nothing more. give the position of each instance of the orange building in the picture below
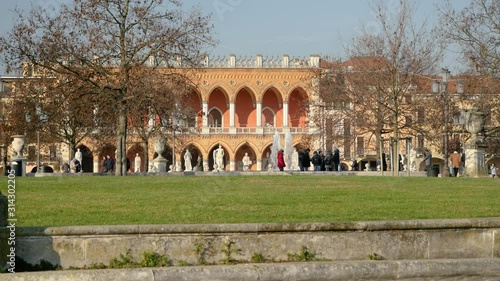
(240, 103)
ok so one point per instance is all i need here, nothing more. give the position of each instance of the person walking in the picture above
(110, 164)
(493, 170)
(281, 160)
(456, 161)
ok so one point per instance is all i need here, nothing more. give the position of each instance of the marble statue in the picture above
(219, 158)
(246, 162)
(413, 160)
(295, 159)
(137, 163)
(78, 155)
(187, 161)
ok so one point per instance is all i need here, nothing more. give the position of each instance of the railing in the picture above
(233, 130)
(218, 130)
(233, 61)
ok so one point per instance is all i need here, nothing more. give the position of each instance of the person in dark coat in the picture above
(306, 160)
(316, 161)
(302, 154)
(336, 159)
(328, 161)
(110, 164)
(384, 162)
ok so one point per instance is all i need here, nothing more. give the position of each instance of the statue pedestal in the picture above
(160, 164)
(19, 169)
(475, 162)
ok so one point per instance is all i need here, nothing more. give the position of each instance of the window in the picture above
(421, 114)
(268, 117)
(420, 141)
(457, 116)
(215, 118)
(360, 141)
(409, 121)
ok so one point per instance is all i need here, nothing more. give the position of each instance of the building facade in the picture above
(237, 104)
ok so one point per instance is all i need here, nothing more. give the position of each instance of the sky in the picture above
(298, 28)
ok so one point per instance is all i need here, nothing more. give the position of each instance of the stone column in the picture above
(475, 160)
(231, 113)
(204, 106)
(258, 109)
(97, 164)
(285, 114)
(232, 165)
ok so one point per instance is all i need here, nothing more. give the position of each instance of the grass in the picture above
(58, 201)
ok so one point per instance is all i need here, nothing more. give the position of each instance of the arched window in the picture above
(215, 118)
(268, 117)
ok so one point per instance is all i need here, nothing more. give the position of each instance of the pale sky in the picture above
(275, 27)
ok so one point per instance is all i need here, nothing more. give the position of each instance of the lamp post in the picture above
(441, 88)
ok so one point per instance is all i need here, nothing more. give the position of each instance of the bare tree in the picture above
(155, 101)
(384, 71)
(476, 29)
(102, 43)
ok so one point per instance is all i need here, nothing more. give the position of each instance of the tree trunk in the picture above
(121, 136)
(146, 156)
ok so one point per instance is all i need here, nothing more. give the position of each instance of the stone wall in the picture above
(80, 246)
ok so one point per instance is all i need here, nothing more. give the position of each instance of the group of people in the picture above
(321, 162)
(107, 164)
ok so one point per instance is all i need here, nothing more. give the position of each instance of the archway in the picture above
(219, 100)
(298, 108)
(245, 109)
(272, 102)
(192, 109)
(240, 153)
(266, 154)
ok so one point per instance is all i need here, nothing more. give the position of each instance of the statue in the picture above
(295, 160)
(413, 160)
(246, 162)
(265, 162)
(78, 155)
(187, 161)
(137, 163)
(219, 158)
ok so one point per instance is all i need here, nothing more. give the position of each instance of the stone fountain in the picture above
(274, 151)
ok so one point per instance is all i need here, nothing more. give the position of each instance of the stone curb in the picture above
(260, 228)
(313, 271)
(238, 173)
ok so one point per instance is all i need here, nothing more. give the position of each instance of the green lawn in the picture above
(57, 201)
